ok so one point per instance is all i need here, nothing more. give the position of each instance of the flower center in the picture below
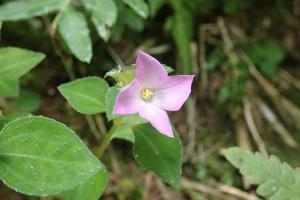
(147, 94)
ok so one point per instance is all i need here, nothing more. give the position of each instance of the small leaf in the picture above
(104, 15)
(158, 153)
(40, 156)
(86, 95)
(28, 101)
(16, 62)
(9, 87)
(17, 10)
(276, 180)
(110, 100)
(139, 6)
(91, 189)
(74, 31)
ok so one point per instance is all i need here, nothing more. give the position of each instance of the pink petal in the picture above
(174, 92)
(149, 72)
(158, 118)
(128, 100)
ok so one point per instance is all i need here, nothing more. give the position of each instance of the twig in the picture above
(252, 127)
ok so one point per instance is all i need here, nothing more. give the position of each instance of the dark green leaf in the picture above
(158, 153)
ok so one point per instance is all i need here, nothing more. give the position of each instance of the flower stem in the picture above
(107, 139)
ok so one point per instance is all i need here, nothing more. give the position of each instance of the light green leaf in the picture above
(86, 95)
(104, 15)
(17, 10)
(158, 153)
(16, 62)
(155, 5)
(74, 31)
(139, 6)
(110, 100)
(28, 101)
(91, 189)
(9, 87)
(276, 180)
(40, 156)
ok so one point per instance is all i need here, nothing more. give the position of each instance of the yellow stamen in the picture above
(147, 94)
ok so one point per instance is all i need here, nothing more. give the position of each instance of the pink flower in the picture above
(152, 93)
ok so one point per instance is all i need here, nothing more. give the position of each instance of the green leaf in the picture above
(213, 60)
(28, 101)
(158, 153)
(139, 6)
(110, 100)
(17, 10)
(155, 5)
(86, 95)
(104, 15)
(74, 31)
(9, 87)
(181, 27)
(16, 62)
(266, 55)
(40, 156)
(124, 127)
(276, 180)
(91, 189)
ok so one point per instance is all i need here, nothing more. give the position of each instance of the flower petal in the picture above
(128, 100)
(174, 92)
(158, 118)
(149, 72)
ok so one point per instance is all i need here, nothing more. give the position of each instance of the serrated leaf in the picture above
(276, 180)
(17, 10)
(9, 87)
(74, 31)
(16, 62)
(139, 6)
(86, 95)
(104, 15)
(91, 189)
(40, 156)
(158, 153)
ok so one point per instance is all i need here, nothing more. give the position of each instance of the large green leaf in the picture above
(17, 10)
(139, 6)
(9, 87)
(86, 95)
(74, 31)
(158, 153)
(91, 189)
(16, 62)
(104, 15)
(276, 180)
(40, 156)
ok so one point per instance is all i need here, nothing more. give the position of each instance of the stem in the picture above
(58, 16)
(108, 137)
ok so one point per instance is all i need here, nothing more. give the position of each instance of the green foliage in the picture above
(40, 156)
(158, 153)
(110, 100)
(28, 101)
(74, 31)
(139, 6)
(276, 180)
(214, 59)
(9, 87)
(155, 5)
(18, 10)
(181, 27)
(91, 189)
(266, 55)
(16, 62)
(86, 95)
(104, 15)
